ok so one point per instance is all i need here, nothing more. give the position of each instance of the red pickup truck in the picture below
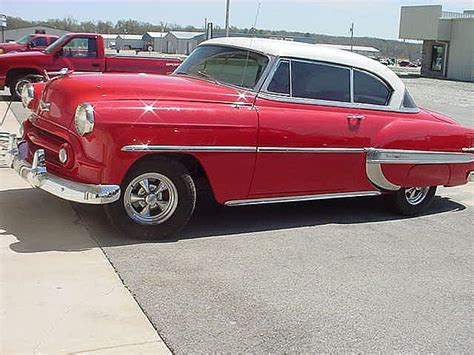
(81, 52)
(36, 42)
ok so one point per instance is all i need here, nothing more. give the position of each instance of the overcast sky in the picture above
(376, 18)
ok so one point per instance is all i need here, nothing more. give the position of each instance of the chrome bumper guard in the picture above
(37, 175)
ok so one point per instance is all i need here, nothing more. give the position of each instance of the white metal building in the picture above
(134, 42)
(110, 41)
(177, 42)
(448, 40)
(154, 41)
(17, 33)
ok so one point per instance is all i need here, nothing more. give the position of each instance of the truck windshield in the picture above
(58, 43)
(226, 65)
(25, 39)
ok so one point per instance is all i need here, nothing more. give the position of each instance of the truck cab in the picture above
(35, 42)
(80, 52)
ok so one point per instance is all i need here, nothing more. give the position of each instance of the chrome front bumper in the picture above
(37, 175)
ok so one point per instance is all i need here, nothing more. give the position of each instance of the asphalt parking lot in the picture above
(327, 276)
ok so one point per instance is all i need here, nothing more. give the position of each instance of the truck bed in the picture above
(140, 64)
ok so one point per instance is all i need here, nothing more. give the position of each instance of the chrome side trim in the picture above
(201, 149)
(471, 149)
(397, 156)
(309, 150)
(378, 179)
(261, 201)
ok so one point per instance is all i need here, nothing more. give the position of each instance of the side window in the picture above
(408, 101)
(280, 83)
(39, 42)
(368, 89)
(320, 82)
(81, 47)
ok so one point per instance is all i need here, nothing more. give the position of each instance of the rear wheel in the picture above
(414, 200)
(158, 198)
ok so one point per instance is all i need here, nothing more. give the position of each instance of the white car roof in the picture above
(290, 49)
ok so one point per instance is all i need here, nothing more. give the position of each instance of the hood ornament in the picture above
(65, 72)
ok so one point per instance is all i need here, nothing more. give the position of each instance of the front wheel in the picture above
(158, 198)
(413, 201)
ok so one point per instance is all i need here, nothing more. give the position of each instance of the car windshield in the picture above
(25, 39)
(56, 44)
(226, 65)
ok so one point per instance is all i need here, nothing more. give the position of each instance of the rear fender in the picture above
(420, 153)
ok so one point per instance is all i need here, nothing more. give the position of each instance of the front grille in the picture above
(41, 139)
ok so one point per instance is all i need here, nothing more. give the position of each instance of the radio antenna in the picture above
(251, 41)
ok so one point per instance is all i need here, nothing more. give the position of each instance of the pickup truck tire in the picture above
(157, 199)
(17, 83)
(413, 201)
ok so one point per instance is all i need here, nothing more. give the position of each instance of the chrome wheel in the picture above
(416, 195)
(20, 84)
(150, 199)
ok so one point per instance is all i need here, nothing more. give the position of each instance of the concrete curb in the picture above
(59, 293)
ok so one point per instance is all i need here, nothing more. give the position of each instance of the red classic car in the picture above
(257, 121)
(82, 52)
(36, 42)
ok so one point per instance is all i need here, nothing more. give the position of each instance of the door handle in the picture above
(96, 65)
(355, 117)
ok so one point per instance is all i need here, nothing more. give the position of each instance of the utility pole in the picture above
(352, 36)
(227, 11)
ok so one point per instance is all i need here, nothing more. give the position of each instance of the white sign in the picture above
(3, 21)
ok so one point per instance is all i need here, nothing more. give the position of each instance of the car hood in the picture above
(11, 45)
(66, 93)
(16, 57)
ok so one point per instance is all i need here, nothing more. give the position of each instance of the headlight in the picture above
(84, 119)
(1, 50)
(27, 94)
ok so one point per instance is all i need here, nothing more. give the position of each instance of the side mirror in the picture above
(59, 53)
(30, 45)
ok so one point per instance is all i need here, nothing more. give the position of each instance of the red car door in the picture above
(312, 136)
(80, 54)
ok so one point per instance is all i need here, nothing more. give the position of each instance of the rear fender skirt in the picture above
(377, 157)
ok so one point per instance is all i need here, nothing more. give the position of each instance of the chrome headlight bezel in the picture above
(84, 119)
(27, 94)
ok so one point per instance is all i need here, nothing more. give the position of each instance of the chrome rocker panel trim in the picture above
(37, 175)
(261, 201)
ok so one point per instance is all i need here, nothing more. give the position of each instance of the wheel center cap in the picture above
(151, 199)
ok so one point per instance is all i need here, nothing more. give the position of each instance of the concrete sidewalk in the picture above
(58, 292)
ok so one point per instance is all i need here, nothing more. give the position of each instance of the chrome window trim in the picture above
(266, 94)
(352, 86)
(271, 74)
(261, 201)
(339, 66)
(293, 100)
(261, 80)
(387, 85)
